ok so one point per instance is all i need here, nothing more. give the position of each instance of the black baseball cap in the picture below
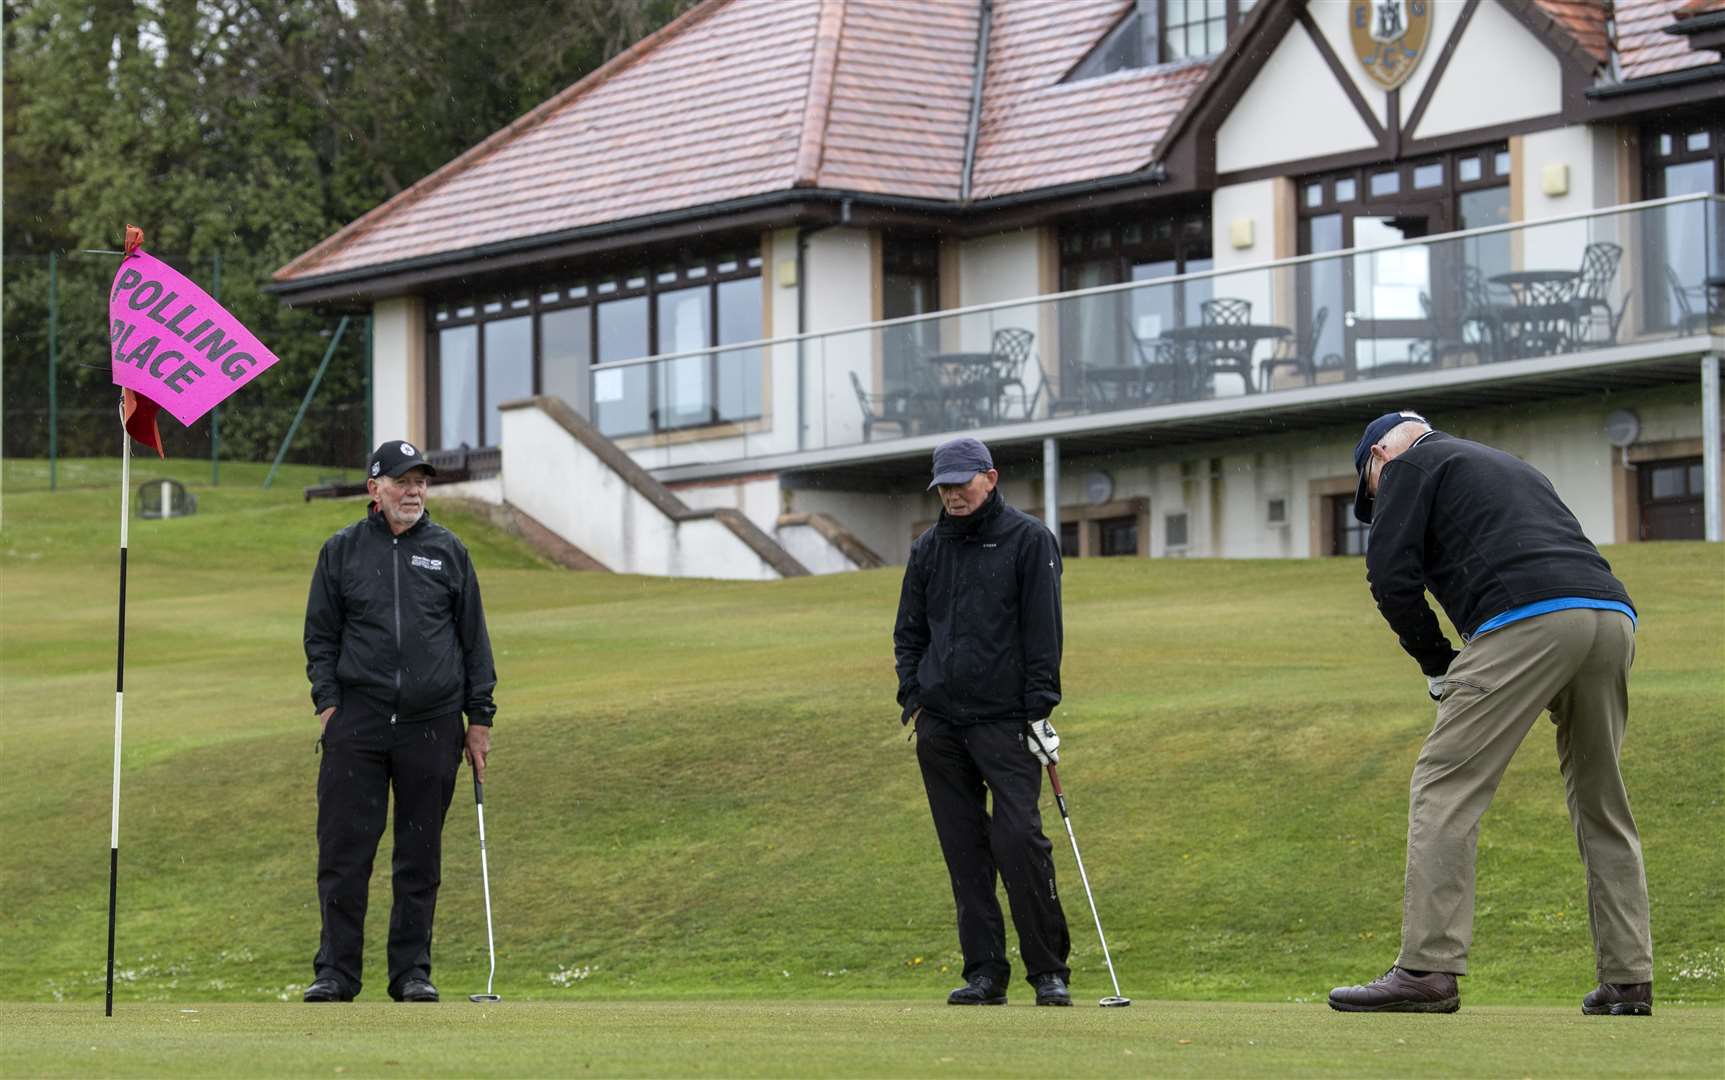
(394, 458)
(1375, 430)
(957, 460)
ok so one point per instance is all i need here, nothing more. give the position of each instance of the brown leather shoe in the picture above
(1400, 991)
(1619, 999)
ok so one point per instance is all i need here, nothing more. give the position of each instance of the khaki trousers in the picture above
(1576, 663)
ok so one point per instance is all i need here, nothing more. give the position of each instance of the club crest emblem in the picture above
(1389, 37)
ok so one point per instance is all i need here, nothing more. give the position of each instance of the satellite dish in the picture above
(1622, 427)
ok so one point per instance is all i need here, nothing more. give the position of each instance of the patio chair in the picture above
(1596, 322)
(1685, 298)
(1299, 352)
(1226, 356)
(1012, 349)
(893, 407)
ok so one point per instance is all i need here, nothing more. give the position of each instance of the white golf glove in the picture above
(1435, 686)
(1040, 739)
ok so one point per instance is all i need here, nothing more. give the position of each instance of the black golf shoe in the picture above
(981, 990)
(326, 988)
(1619, 999)
(416, 989)
(1400, 990)
(1051, 990)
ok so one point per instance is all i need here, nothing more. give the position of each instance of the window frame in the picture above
(534, 298)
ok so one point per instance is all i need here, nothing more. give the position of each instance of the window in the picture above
(1276, 512)
(1111, 330)
(1174, 531)
(1682, 158)
(488, 350)
(1069, 539)
(910, 285)
(1671, 499)
(1408, 296)
(1162, 31)
(1119, 535)
(1347, 535)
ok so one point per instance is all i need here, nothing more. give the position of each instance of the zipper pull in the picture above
(391, 719)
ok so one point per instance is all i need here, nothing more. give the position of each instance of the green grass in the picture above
(700, 790)
(795, 1039)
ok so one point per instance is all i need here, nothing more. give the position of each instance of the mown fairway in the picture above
(701, 791)
(794, 1039)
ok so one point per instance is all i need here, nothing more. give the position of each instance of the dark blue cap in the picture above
(957, 460)
(1375, 431)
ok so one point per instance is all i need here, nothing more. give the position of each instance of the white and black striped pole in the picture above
(119, 700)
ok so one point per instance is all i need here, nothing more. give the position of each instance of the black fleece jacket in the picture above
(1484, 531)
(396, 621)
(978, 634)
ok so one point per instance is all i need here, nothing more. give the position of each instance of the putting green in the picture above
(651, 1038)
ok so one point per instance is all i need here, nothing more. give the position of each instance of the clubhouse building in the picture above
(707, 310)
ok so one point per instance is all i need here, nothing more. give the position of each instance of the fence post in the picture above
(53, 370)
(340, 329)
(216, 413)
(370, 440)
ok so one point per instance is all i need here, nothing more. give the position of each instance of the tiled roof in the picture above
(740, 98)
(900, 104)
(746, 97)
(709, 108)
(1037, 131)
(1643, 47)
(1584, 20)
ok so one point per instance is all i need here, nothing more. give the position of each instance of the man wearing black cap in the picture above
(396, 650)
(1544, 625)
(977, 644)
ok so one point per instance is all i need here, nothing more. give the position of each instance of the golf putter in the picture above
(485, 877)
(1117, 1001)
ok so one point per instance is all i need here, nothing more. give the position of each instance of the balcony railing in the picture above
(1551, 288)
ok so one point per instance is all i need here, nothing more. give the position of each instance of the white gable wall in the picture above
(1499, 73)
(1444, 18)
(1293, 111)
(1331, 20)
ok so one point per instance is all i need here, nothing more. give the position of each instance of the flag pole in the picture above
(119, 701)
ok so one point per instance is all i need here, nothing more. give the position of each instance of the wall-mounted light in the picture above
(1554, 180)
(1240, 233)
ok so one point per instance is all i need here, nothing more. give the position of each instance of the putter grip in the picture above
(478, 792)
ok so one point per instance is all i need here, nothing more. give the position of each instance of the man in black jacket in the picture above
(1544, 625)
(977, 644)
(396, 650)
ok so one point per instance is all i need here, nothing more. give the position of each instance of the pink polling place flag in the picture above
(173, 344)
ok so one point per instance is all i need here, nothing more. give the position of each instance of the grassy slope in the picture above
(700, 788)
(848, 1039)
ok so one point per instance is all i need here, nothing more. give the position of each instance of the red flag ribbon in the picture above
(139, 412)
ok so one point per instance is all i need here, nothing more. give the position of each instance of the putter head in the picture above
(1115, 1002)
(485, 999)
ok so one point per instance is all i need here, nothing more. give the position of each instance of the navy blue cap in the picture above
(394, 458)
(1375, 431)
(957, 460)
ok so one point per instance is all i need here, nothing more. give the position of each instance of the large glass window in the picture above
(910, 285)
(1119, 329)
(1683, 158)
(1380, 312)
(489, 350)
(508, 369)
(458, 386)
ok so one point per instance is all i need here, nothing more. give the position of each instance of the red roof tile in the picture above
(1585, 21)
(1645, 49)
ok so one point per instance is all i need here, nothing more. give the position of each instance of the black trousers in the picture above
(364, 756)
(961, 765)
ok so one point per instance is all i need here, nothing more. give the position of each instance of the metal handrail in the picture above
(1126, 286)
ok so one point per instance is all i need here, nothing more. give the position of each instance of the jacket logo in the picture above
(428, 564)
(991, 545)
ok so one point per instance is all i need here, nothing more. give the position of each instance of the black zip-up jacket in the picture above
(978, 634)
(1484, 531)
(396, 621)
